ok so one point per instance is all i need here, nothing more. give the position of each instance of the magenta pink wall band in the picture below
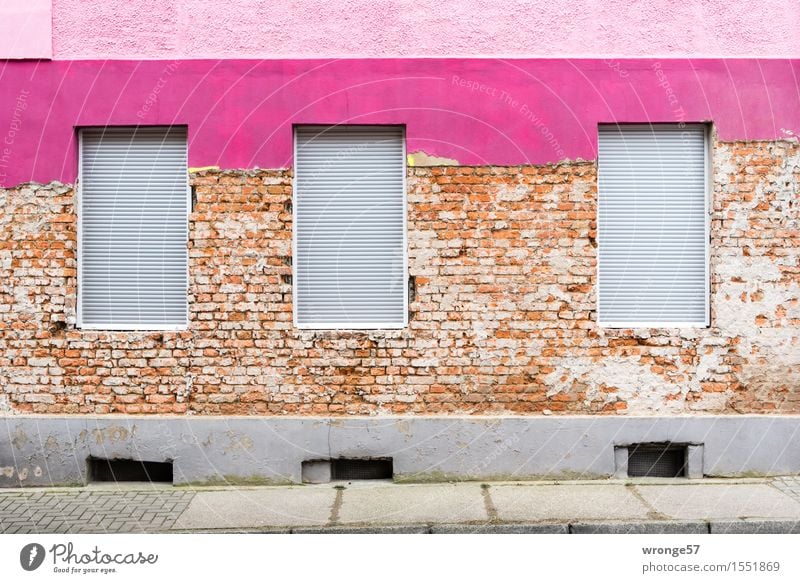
(474, 111)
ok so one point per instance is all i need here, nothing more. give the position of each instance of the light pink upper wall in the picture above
(25, 29)
(410, 28)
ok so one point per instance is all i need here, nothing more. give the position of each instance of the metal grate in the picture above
(349, 469)
(124, 470)
(657, 461)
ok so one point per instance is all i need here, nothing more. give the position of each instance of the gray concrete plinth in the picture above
(52, 450)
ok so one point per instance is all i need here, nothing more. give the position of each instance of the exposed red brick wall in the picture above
(503, 319)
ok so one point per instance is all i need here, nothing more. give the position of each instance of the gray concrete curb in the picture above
(662, 527)
(405, 529)
(500, 529)
(653, 527)
(755, 527)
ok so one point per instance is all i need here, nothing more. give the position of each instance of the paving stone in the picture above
(86, 511)
(413, 503)
(789, 485)
(253, 508)
(566, 502)
(721, 501)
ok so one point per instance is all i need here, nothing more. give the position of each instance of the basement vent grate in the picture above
(657, 461)
(124, 470)
(350, 469)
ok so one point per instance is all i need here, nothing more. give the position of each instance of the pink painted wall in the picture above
(25, 29)
(477, 111)
(164, 29)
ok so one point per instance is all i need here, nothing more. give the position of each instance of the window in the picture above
(653, 226)
(133, 229)
(350, 227)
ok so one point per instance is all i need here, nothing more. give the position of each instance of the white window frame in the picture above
(349, 325)
(707, 166)
(141, 327)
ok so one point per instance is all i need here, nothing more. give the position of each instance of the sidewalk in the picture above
(642, 506)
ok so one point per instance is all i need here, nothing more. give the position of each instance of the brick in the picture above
(504, 318)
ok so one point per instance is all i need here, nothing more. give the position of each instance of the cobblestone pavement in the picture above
(788, 485)
(91, 511)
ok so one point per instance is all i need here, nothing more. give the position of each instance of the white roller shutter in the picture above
(349, 227)
(653, 226)
(133, 229)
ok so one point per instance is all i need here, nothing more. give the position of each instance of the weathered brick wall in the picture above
(503, 318)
